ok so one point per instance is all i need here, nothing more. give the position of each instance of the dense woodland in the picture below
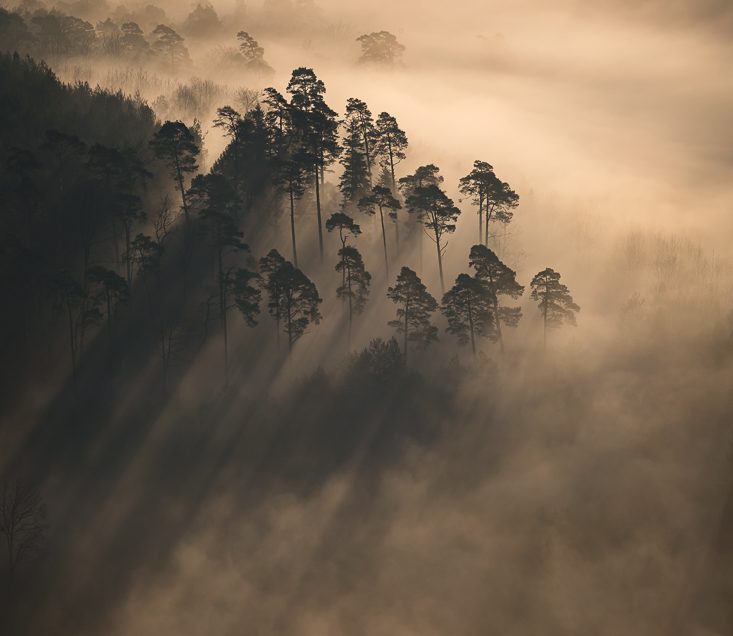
(217, 352)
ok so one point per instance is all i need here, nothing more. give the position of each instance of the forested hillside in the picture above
(298, 352)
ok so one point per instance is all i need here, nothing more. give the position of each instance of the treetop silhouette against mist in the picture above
(381, 48)
(437, 212)
(468, 307)
(554, 300)
(253, 53)
(316, 128)
(293, 297)
(170, 46)
(495, 199)
(175, 145)
(415, 305)
(391, 143)
(502, 282)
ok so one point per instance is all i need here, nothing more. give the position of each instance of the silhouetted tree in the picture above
(494, 197)
(358, 112)
(278, 119)
(468, 307)
(269, 266)
(81, 310)
(292, 297)
(203, 21)
(317, 128)
(503, 282)
(252, 52)
(476, 184)
(437, 212)
(132, 41)
(175, 145)
(230, 121)
(414, 308)
(380, 47)
(290, 173)
(355, 288)
(113, 290)
(170, 45)
(216, 202)
(390, 145)
(381, 198)
(554, 300)
(345, 226)
(354, 181)
(382, 362)
(22, 524)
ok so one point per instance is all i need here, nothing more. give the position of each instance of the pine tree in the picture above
(290, 174)
(170, 46)
(113, 290)
(438, 214)
(476, 184)
(554, 300)
(216, 202)
(391, 145)
(358, 113)
(175, 145)
(316, 127)
(502, 281)
(414, 308)
(354, 182)
(468, 306)
(346, 227)
(382, 199)
(356, 281)
(293, 298)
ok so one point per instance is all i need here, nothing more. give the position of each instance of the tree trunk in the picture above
(486, 227)
(480, 217)
(544, 325)
(292, 226)
(351, 309)
(384, 241)
(498, 324)
(470, 326)
(128, 260)
(407, 310)
(290, 330)
(223, 313)
(391, 167)
(318, 215)
(440, 259)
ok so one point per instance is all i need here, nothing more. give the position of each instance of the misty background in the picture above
(582, 487)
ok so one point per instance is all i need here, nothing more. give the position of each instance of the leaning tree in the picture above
(175, 145)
